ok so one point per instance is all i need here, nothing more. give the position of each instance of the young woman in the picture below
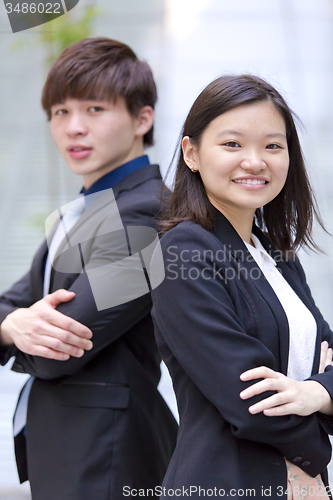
(247, 349)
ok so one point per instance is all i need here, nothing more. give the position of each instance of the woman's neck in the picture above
(241, 220)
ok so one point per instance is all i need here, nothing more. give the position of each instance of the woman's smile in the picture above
(242, 159)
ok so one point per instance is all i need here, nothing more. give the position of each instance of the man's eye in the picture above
(273, 146)
(95, 109)
(232, 144)
(60, 111)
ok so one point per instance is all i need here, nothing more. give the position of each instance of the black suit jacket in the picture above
(216, 316)
(95, 424)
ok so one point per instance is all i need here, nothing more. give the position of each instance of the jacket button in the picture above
(297, 459)
(306, 463)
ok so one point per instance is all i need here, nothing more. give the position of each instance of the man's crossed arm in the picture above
(41, 330)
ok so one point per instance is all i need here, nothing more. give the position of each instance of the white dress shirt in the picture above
(302, 325)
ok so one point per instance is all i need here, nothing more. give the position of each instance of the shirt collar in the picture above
(112, 178)
(258, 252)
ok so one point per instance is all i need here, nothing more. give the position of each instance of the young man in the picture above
(95, 422)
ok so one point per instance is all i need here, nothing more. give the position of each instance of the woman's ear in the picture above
(145, 120)
(189, 153)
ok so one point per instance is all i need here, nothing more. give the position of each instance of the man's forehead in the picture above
(86, 100)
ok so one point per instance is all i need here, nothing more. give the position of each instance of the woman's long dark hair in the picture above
(288, 218)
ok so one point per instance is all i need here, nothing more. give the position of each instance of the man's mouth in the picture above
(79, 152)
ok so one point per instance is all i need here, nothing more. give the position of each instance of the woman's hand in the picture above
(325, 356)
(292, 397)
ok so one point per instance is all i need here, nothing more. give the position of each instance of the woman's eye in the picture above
(273, 146)
(232, 144)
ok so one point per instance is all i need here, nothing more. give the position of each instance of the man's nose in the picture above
(76, 125)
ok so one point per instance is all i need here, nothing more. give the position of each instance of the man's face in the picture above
(95, 137)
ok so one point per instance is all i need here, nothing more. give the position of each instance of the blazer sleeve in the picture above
(107, 324)
(326, 378)
(20, 295)
(196, 316)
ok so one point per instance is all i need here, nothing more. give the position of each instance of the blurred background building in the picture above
(187, 43)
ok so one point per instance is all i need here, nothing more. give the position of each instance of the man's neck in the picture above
(111, 178)
(90, 179)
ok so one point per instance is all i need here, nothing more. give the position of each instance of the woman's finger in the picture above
(259, 372)
(323, 356)
(279, 411)
(268, 384)
(329, 357)
(280, 399)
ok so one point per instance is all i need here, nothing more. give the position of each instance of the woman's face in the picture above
(243, 158)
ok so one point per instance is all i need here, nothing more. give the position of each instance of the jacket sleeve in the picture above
(326, 378)
(20, 295)
(107, 322)
(196, 316)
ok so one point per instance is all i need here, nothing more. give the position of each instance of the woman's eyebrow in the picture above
(277, 134)
(231, 132)
(236, 132)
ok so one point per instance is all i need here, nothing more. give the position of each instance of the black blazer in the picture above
(215, 317)
(96, 424)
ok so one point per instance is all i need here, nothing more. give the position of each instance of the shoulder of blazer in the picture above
(105, 199)
(224, 235)
(188, 233)
(137, 178)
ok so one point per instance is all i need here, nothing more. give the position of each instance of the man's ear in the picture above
(145, 120)
(189, 153)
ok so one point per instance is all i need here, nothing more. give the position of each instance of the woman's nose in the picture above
(253, 161)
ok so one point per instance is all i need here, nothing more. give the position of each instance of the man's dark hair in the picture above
(101, 69)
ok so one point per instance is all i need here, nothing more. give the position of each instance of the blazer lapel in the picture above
(37, 271)
(102, 207)
(105, 199)
(291, 277)
(246, 266)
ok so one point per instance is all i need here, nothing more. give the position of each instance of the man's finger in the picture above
(68, 324)
(48, 353)
(57, 346)
(61, 340)
(55, 298)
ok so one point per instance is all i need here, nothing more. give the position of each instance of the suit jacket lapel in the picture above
(102, 205)
(37, 271)
(240, 257)
(104, 198)
(291, 277)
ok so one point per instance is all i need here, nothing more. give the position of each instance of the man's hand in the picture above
(41, 330)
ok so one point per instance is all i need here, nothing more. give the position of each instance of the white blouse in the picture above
(302, 325)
